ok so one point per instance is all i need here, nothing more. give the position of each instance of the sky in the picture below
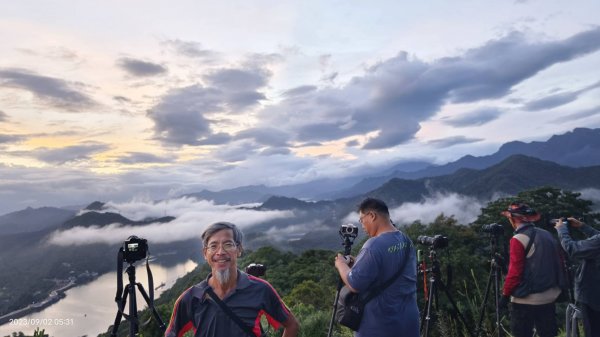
(141, 100)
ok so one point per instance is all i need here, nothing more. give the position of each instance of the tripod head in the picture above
(348, 233)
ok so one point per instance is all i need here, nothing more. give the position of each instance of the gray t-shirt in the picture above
(394, 312)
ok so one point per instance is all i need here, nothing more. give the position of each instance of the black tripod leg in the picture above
(119, 315)
(497, 276)
(460, 316)
(483, 304)
(337, 297)
(151, 305)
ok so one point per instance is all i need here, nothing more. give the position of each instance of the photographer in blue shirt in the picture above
(394, 312)
(587, 280)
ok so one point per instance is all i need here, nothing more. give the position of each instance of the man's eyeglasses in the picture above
(227, 246)
(360, 218)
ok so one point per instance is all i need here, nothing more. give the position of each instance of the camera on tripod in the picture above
(564, 220)
(436, 242)
(135, 249)
(256, 269)
(348, 231)
(493, 229)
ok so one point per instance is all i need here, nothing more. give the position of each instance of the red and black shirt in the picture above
(252, 298)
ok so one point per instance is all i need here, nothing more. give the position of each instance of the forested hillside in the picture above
(307, 281)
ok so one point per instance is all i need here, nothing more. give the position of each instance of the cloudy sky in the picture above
(114, 100)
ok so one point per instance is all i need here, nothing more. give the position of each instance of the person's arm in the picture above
(582, 249)
(343, 267)
(290, 326)
(277, 313)
(515, 267)
(180, 322)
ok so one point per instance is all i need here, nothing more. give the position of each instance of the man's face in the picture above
(366, 220)
(221, 253)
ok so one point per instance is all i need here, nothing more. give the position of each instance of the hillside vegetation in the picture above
(307, 281)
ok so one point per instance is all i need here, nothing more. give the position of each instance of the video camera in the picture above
(256, 269)
(135, 249)
(493, 229)
(348, 231)
(436, 242)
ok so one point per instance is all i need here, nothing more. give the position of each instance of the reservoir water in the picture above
(90, 309)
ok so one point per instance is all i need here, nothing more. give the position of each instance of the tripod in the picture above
(348, 241)
(497, 266)
(133, 317)
(574, 316)
(435, 282)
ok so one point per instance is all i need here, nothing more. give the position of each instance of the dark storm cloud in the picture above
(143, 158)
(236, 152)
(474, 118)
(352, 143)
(242, 99)
(299, 91)
(265, 136)
(556, 100)
(272, 151)
(55, 91)
(578, 115)
(5, 139)
(189, 48)
(122, 99)
(140, 68)
(237, 79)
(552, 101)
(67, 154)
(216, 139)
(179, 116)
(239, 85)
(451, 141)
(393, 97)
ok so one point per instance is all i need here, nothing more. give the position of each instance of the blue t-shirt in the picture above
(394, 312)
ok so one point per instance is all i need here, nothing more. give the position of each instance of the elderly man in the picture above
(247, 297)
(393, 312)
(534, 274)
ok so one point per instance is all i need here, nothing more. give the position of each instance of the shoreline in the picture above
(54, 296)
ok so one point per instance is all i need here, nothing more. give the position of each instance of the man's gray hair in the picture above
(238, 237)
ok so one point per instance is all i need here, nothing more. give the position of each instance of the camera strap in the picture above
(229, 313)
(530, 243)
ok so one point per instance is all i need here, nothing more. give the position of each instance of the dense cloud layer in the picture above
(67, 154)
(192, 216)
(462, 208)
(140, 68)
(406, 89)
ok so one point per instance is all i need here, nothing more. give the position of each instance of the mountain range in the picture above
(578, 148)
(502, 173)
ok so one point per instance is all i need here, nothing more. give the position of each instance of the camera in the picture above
(135, 249)
(494, 229)
(553, 222)
(349, 231)
(436, 242)
(256, 269)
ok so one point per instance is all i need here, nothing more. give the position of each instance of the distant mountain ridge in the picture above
(33, 219)
(578, 148)
(512, 175)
